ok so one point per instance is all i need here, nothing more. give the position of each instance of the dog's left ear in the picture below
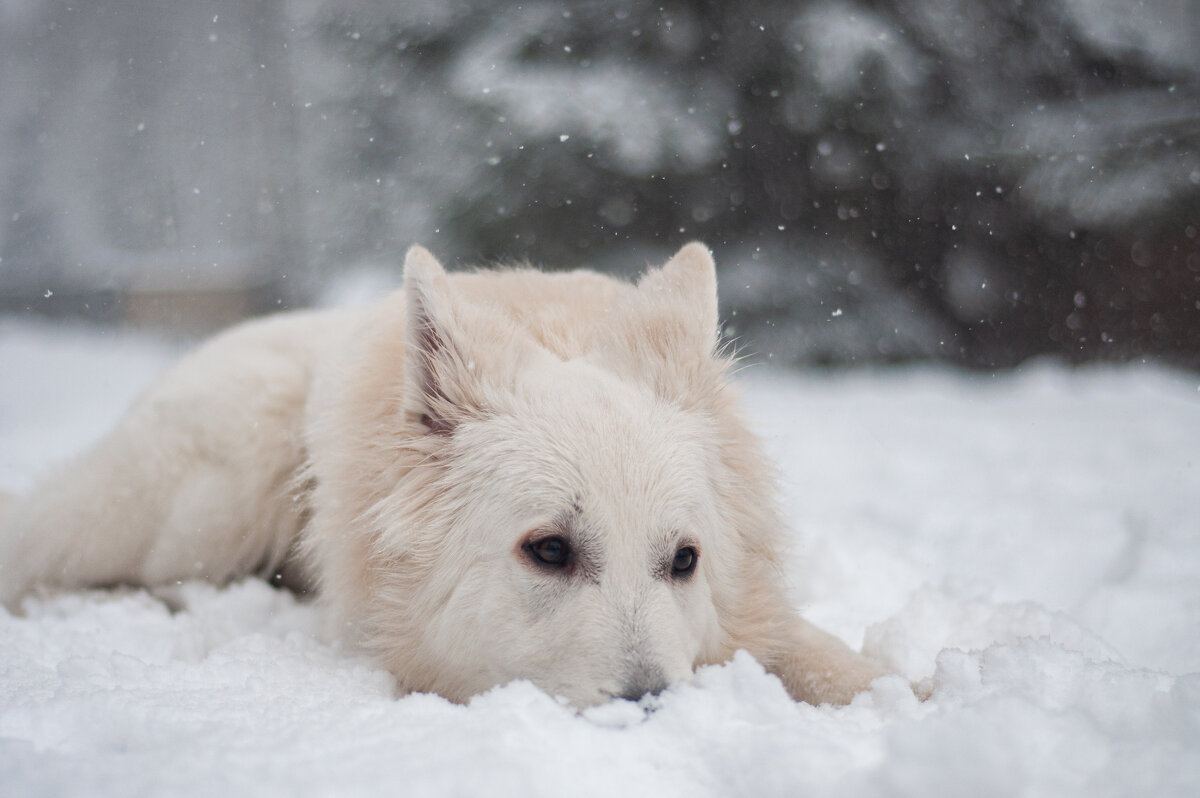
(440, 388)
(687, 283)
(668, 333)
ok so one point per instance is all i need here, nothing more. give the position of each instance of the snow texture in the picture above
(1026, 544)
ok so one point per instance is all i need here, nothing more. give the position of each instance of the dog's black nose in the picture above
(651, 682)
(635, 694)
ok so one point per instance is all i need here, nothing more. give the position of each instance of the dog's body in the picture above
(487, 476)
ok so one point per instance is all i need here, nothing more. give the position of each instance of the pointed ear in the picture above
(438, 380)
(666, 333)
(688, 281)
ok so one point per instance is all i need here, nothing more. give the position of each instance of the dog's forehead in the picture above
(588, 437)
(605, 416)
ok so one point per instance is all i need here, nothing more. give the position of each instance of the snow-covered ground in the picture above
(1030, 542)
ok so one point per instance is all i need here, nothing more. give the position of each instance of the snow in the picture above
(1026, 544)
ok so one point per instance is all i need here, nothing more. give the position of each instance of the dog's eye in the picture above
(684, 562)
(552, 551)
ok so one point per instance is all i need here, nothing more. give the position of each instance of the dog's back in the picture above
(195, 481)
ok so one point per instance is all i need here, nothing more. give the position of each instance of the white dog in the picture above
(487, 477)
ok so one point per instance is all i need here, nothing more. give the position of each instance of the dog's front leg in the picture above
(817, 667)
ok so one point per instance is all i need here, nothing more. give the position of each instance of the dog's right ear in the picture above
(439, 384)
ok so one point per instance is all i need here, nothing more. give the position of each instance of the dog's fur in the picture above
(413, 458)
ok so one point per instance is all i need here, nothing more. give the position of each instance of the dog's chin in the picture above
(574, 695)
(582, 699)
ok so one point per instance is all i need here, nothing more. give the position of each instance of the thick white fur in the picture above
(402, 456)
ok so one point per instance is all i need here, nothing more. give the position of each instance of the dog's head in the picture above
(572, 507)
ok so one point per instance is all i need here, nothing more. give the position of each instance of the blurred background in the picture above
(972, 181)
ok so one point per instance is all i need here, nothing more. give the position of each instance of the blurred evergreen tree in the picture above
(982, 181)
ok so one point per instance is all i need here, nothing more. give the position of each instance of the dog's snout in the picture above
(636, 692)
(647, 681)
